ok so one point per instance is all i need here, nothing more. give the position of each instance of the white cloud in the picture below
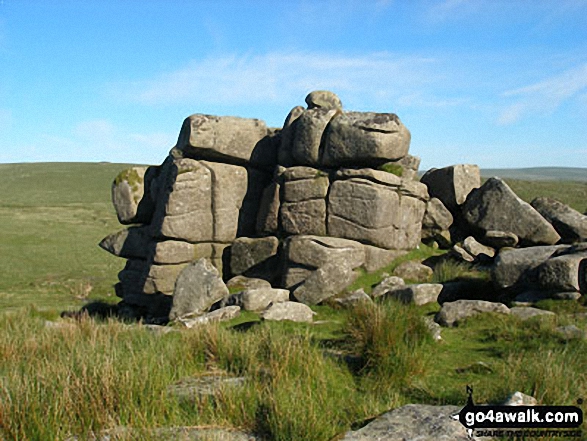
(283, 77)
(545, 96)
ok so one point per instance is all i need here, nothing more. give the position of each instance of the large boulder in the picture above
(254, 257)
(376, 208)
(315, 251)
(452, 184)
(226, 139)
(131, 195)
(200, 201)
(566, 273)
(284, 154)
(197, 288)
(568, 223)
(421, 422)
(518, 268)
(130, 243)
(307, 139)
(325, 282)
(436, 223)
(452, 313)
(494, 206)
(303, 196)
(256, 299)
(365, 139)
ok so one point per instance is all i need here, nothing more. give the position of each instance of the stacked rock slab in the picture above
(249, 198)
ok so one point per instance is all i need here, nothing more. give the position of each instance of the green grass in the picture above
(574, 194)
(306, 381)
(53, 215)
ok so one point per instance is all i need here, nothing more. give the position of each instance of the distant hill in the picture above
(538, 173)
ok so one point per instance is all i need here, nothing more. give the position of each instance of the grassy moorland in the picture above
(304, 382)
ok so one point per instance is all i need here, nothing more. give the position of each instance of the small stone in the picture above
(419, 294)
(354, 298)
(390, 283)
(571, 332)
(413, 271)
(452, 313)
(525, 313)
(293, 311)
(323, 99)
(520, 399)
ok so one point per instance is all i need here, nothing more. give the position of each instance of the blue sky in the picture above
(491, 82)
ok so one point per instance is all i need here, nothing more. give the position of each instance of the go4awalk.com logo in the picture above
(520, 421)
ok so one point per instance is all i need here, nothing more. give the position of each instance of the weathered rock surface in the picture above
(518, 268)
(454, 312)
(130, 243)
(225, 139)
(243, 282)
(131, 195)
(365, 138)
(452, 184)
(325, 282)
(476, 249)
(419, 294)
(195, 388)
(526, 312)
(323, 99)
(499, 239)
(292, 311)
(413, 422)
(316, 251)
(254, 256)
(388, 284)
(268, 216)
(494, 206)
(413, 271)
(257, 299)
(436, 222)
(460, 253)
(354, 298)
(284, 154)
(375, 213)
(568, 223)
(197, 287)
(201, 201)
(220, 315)
(307, 139)
(520, 399)
(564, 273)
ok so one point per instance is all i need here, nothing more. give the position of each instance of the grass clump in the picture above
(391, 340)
(450, 270)
(394, 169)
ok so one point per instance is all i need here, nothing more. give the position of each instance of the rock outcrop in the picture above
(298, 213)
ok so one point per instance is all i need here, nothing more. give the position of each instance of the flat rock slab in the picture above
(414, 422)
(220, 315)
(193, 389)
(293, 311)
(452, 313)
(525, 313)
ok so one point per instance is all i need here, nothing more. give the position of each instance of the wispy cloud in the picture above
(545, 96)
(284, 77)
